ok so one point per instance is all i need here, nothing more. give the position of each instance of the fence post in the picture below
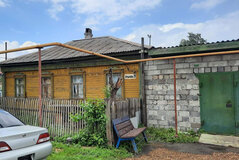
(109, 130)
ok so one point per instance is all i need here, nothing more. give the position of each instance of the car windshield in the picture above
(8, 120)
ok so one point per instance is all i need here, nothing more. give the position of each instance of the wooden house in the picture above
(69, 74)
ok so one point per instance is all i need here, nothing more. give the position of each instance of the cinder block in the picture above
(186, 70)
(218, 64)
(207, 70)
(212, 58)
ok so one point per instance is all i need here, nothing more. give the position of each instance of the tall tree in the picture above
(193, 39)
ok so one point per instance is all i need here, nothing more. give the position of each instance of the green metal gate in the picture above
(219, 102)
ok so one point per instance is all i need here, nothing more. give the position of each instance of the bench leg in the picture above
(134, 145)
(118, 143)
(145, 138)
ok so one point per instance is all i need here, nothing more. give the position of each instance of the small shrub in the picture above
(95, 118)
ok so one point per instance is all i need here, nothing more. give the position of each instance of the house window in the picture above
(19, 87)
(46, 87)
(115, 78)
(77, 88)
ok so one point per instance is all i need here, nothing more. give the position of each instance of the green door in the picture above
(217, 101)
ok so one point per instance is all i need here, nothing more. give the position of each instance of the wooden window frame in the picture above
(48, 75)
(78, 72)
(117, 71)
(20, 76)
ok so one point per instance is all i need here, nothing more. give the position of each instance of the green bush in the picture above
(94, 134)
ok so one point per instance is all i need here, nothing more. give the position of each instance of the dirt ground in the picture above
(192, 151)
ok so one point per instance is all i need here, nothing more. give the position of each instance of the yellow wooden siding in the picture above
(95, 80)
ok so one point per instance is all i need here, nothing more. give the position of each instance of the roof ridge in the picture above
(130, 42)
(88, 38)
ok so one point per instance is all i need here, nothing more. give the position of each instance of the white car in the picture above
(22, 142)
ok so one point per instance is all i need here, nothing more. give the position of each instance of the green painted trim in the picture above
(73, 64)
(195, 48)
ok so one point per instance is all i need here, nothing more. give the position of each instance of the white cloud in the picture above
(206, 4)
(13, 45)
(101, 11)
(221, 28)
(3, 3)
(115, 29)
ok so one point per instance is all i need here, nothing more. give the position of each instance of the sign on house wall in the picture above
(130, 76)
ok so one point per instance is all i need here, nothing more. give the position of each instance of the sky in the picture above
(29, 22)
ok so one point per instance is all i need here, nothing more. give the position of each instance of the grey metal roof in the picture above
(102, 45)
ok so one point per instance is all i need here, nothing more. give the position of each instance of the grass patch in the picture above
(168, 135)
(63, 151)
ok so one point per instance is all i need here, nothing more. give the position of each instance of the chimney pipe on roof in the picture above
(88, 33)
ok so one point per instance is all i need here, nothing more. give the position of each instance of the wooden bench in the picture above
(126, 132)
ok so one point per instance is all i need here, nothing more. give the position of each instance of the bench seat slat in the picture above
(123, 125)
(133, 133)
(125, 130)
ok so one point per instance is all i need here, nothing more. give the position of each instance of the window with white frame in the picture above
(46, 87)
(20, 87)
(115, 78)
(77, 88)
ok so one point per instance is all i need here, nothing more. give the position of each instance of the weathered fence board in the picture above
(56, 113)
(118, 109)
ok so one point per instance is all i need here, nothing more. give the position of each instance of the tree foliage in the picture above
(193, 39)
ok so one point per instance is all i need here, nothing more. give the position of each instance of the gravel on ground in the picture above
(187, 151)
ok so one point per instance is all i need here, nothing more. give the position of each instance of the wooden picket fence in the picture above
(56, 113)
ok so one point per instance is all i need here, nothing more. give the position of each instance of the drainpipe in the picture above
(175, 98)
(39, 76)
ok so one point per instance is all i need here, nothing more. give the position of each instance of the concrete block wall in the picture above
(160, 88)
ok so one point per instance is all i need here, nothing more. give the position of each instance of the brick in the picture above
(201, 70)
(218, 64)
(189, 70)
(234, 62)
(182, 65)
(167, 71)
(193, 59)
(184, 124)
(198, 65)
(161, 62)
(150, 122)
(220, 69)
(207, 70)
(185, 119)
(153, 72)
(184, 113)
(195, 125)
(230, 57)
(152, 67)
(194, 103)
(234, 68)
(228, 69)
(152, 112)
(164, 66)
(214, 69)
(211, 58)
(194, 92)
(178, 60)
(148, 77)
(195, 70)
(160, 76)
